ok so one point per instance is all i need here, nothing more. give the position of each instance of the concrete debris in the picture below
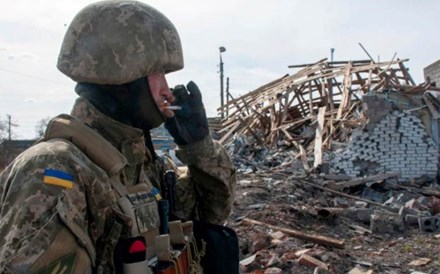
(357, 270)
(429, 224)
(385, 222)
(273, 270)
(420, 261)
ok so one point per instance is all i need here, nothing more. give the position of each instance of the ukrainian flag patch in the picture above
(63, 265)
(58, 178)
(156, 193)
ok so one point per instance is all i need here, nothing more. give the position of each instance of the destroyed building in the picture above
(432, 73)
(357, 117)
(336, 167)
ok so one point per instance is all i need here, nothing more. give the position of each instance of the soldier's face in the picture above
(161, 93)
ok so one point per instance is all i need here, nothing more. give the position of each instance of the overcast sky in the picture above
(261, 39)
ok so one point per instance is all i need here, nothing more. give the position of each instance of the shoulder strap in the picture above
(107, 157)
(99, 150)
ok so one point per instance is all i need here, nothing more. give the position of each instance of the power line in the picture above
(35, 77)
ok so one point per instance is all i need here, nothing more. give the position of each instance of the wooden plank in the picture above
(303, 154)
(346, 195)
(310, 99)
(272, 125)
(249, 128)
(432, 109)
(226, 127)
(330, 93)
(323, 240)
(406, 73)
(331, 63)
(272, 84)
(333, 129)
(359, 78)
(301, 101)
(377, 65)
(361, 181)
(346, 92)
(319, 86)
(318, 137)
(287, 134)
(303, 120)
(252, 109)
(226, 136)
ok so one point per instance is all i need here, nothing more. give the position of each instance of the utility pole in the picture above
(332, 51)
(227, 94)
(9, 126)
(222, 96)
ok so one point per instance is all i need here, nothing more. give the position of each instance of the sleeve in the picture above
(211, 173)
(45, 223)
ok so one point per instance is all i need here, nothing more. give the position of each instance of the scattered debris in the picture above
(420, 261)
(307, 260)
(357, 270)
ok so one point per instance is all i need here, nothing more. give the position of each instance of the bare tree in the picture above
(40, 128)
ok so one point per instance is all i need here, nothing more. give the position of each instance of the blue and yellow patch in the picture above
(58, 178)
(156, 193)
(63, 265)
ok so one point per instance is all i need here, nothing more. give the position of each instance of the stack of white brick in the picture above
(398, 144)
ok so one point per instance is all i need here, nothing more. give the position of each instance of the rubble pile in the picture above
(337, 171)
(291, 221)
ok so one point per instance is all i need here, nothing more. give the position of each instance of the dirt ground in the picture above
(285, 202)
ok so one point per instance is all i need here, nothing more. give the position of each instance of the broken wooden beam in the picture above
(361, 181)
(319, 239)
(343, 194)
(357, 62)
(318, 137)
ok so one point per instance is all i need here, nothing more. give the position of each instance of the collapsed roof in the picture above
(329, 91)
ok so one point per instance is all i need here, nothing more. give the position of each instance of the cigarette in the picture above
(173, 107)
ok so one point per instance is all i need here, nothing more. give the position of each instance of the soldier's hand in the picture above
(189, 124)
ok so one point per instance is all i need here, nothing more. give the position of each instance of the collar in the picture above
(128, 140)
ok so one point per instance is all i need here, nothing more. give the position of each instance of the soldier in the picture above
(94, 178)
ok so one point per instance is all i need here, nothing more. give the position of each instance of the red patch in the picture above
(137, 246)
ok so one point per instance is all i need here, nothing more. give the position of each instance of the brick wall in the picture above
(397, 144)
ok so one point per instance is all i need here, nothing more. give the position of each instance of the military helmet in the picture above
(114, 42)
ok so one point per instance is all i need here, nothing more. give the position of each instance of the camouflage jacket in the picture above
(56, 202)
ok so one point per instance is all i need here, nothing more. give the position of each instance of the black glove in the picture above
(189, 124)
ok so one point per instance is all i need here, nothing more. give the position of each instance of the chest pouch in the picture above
(142, 208)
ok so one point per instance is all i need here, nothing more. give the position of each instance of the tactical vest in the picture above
(132, 242)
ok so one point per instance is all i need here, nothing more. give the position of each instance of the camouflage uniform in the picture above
(46, 227)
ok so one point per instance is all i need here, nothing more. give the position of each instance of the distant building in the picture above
(433, 72)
